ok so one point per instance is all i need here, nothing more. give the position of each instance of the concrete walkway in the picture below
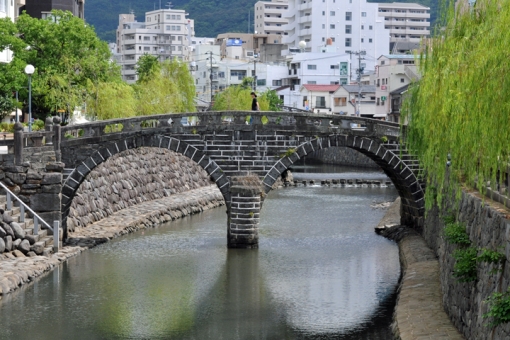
(419, 314)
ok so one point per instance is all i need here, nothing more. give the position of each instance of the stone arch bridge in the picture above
(244, 153)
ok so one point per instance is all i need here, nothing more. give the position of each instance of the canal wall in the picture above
(341, 156)
(487, 225)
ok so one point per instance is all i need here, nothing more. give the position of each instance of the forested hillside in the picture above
(211, 16)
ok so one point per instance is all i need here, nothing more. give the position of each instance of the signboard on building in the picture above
(343, 68)
(234, 42)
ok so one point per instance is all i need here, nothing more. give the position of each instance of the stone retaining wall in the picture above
(488, 227)
(342, 156)
(132, 177)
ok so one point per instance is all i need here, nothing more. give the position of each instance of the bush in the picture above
(455, 233)
(499, 308)
(465, 266)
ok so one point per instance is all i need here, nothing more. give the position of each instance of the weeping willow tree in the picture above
(461, 106)
(165, 88)
(109, 100)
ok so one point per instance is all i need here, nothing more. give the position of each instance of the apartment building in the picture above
(393, 72)
(214, 73)
(349, 25)
(408, 24)
(269, 18)
(245, 44)
(166, 33)
(41, 9)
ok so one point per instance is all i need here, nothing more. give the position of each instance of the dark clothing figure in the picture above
(254, 103)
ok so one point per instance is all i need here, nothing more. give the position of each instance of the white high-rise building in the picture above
(269, 18)
(408, 23)
(336, 26)
(166, 33)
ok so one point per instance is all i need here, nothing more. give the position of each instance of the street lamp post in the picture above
(29, 70)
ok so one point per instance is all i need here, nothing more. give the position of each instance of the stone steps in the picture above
(42, 243)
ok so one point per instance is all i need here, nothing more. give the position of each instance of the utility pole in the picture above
(254, 72)
(359, 71)
(211, 74)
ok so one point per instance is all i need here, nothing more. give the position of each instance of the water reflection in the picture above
(320, 272)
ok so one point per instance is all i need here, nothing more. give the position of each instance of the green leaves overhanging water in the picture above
(461, 106)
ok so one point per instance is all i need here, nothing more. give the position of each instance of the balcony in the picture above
(305, 6)
(274, 20)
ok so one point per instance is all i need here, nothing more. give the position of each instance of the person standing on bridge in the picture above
(254, 103)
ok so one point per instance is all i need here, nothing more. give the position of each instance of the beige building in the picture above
(392, 73)
(244, 45)
(408, 24)
(269, 16)
(166, 33)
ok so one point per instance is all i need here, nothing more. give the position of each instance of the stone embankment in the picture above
(17, 271)
(419, 313)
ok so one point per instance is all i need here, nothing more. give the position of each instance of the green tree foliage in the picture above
(108, 100)
(272, 99)
(239, 98)
(6, 105)
(167, 87)
(66, 54)
(461, 105)
(146, 67)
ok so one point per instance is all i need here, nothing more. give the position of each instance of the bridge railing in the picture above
(200, 122)
(500, 191)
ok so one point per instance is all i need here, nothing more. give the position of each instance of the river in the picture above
(320, 273)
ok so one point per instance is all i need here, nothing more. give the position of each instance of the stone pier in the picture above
(244, 212)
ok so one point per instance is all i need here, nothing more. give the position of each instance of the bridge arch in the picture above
(106, 151)
(387, 156)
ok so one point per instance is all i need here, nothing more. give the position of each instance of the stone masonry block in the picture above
(82, 169)
(45, 202)
(52, 178)
(90, 163)
(280, 167)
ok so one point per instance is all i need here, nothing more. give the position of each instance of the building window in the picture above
(370, 40)
(311, 82)
(312, 67)
(332, 13)
(323, 12)
(348, 29)
(363, 14)
(348, 42)
(332, 26)
(334, 67)
(362, 27)
(362, 39)
(320, 102)
(340, 101)
(348, 16)
(370, 27)
(402, 80)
